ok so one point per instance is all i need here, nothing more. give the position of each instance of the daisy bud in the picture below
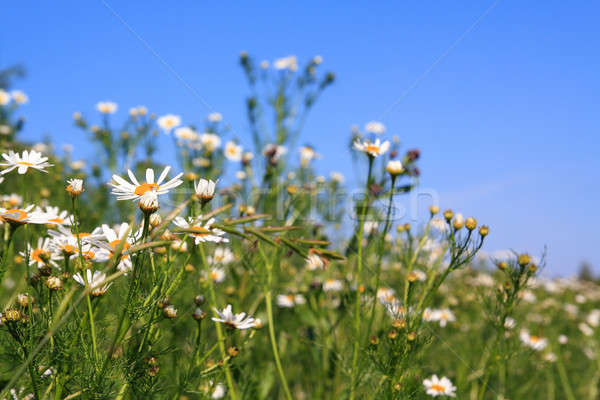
(163, 303)
(394, 168)
(374, 340)
(170, 312)
(292, 189)
(448, 214)
(412, 277)
(532, 268)
(400, 323)
(397, 387)
(434, 210)
(45, 193)
(149, 202)
(199, 300)
(471, 223)
(199, 314)
(205, 190)
(501, 265)
(12, 315)
(524, 259)
(77, 116)
(484, 230)
(75, 187)
(155, 220)
(459, 221)
(393, 334)
(24, 299)
(411, 336)
(233, 351)
(400, 228)
(54, 283)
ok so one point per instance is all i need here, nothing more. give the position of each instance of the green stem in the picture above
(359, 266)
(564, 379)
(220, 337)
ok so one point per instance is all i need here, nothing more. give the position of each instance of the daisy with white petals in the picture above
(235, 321)
(535, 342)
(22, 216)
(106, 107)
(233, 151)
(22, 162)
(435, 386)
(135, 190)
(201, 233)
(373, 149)
(168, 122)
(375, 127)
(112, 240)
(94, 280)
(205, 189)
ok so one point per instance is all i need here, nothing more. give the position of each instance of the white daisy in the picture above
(307, 154)
(375, 127)
(201, 233)
(273, 152)
(439, 387)
(289, 62)
(314, 261)
(186, 133)
(222, 255)
(535, 342)
(233, 151)
(210, 142)
(168, 122)
(29, 159)
(41, 255)
(237, 321)
(112, 239)
(135, 190)
(205, 189)
(4, 97)
(106, 107)
(22, 216)
(332, 285)
(214, 117)
(58, 217)
(373, 149)
(217, 275)
(443, 316)
(19, 97)
(93, 280)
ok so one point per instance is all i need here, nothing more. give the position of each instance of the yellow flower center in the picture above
(115, 243)
(200, 231)
(25, 163)
(15, 214)
(38, 255)
(438, 388)
(140, 190)
(534, 339)
(56, 220)
(68, 249)
(372, 148)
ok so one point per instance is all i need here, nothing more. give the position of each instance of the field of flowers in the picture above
(239, 273)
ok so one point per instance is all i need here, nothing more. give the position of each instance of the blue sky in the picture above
(502, 98)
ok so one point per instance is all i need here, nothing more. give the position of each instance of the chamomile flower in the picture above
(217, 275)
(435, 386)
(201, 233)
(233, 151)
(41, 255)
(94, 280)
(205, 189)
(22, 162)
(22, 216)
(186, 133)
(535, 342)
(314, 261)
(75, 187)
(307, 154)
(135, 190)
(210, 142)
(112, 239)
(332, 285)
(58, 216)
(237, 321)
(273, 152)
(168, 122)
(443, 316)
(289, 62)
(4, 97)
(375, 127)
(106, 107)
(373, 149)
(64, 242)
(222, 255)
(19, 97)
(285, 300)
(214, 117)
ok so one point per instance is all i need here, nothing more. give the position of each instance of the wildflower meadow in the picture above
(238, 272)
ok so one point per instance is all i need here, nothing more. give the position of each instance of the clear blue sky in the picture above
(507, 119)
